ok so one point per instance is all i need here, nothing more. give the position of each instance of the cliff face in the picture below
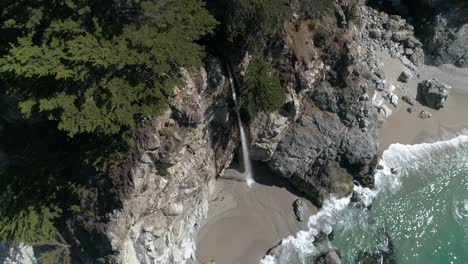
(167, 178)
(181, 154)
(442, 27)
(331, 139)
(322, 140)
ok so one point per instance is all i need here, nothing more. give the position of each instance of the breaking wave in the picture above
(406, 202)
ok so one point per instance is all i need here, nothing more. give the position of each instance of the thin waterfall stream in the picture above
(245, 150)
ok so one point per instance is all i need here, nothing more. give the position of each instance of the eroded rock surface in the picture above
(170, 173)
(433, 93)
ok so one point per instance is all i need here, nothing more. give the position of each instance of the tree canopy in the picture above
(95, 66)
(251, 23)
(262, 90)
(90, 69)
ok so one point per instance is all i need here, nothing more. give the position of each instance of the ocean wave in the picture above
(396, 163)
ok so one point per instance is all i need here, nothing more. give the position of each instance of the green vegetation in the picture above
(262, 90)
(83, 72)
(96, 66)
(38, 186)
(251, 23)
(167, 132)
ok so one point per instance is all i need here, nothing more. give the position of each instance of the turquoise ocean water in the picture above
(423, 209)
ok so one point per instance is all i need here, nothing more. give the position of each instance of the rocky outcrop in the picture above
(394, 34)
(441, 25)
(170, 172)
(316, 148)
(331, 257)
(445, 38)
(267, 130)
(433, 93)
(333, 142)
(300, 208)
(383, 253)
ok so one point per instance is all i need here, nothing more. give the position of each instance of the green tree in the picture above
(96, 66)
(93, 68)
(251, 23)
(262, 90)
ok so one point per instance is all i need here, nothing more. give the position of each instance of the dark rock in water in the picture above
(408, 100)
(433, 93)
(383, 254)
(393, 171)
(405, 76)
(380, 167)
(322, 237)
(425, 115)
(411, 109)
(300, 208)
(356, 200)
(331, 257)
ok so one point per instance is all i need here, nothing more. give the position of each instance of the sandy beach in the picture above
(244, 223)
(446, 123)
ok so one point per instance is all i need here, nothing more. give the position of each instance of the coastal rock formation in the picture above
(433, 93)
(384, 252)
(442, 28)
(445, 38)
(300, 208)
(267, 130)
(331, 257)
(174, 163)
(394, 34)
(333, 142)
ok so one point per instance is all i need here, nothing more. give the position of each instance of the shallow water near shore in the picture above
(423, 209)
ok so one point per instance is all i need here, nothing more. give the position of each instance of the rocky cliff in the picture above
(167, 178)
(442, 27)
(323, 140)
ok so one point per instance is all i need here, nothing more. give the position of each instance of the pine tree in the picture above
(96, 66)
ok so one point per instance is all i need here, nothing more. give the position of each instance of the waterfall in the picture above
(245, 151)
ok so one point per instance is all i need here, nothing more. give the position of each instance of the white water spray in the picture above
(245, 151)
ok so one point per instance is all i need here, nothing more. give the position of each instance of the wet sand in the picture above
(243, 223)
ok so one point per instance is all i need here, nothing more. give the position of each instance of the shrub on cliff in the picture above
(262, 90)
(251, 23)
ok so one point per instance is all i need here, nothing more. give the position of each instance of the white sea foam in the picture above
(300, 247)
(395, 162)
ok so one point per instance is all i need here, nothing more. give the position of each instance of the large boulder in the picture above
(433, 93)
(322, 156)
(405, 76)
(331, 257)
(300, 208)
